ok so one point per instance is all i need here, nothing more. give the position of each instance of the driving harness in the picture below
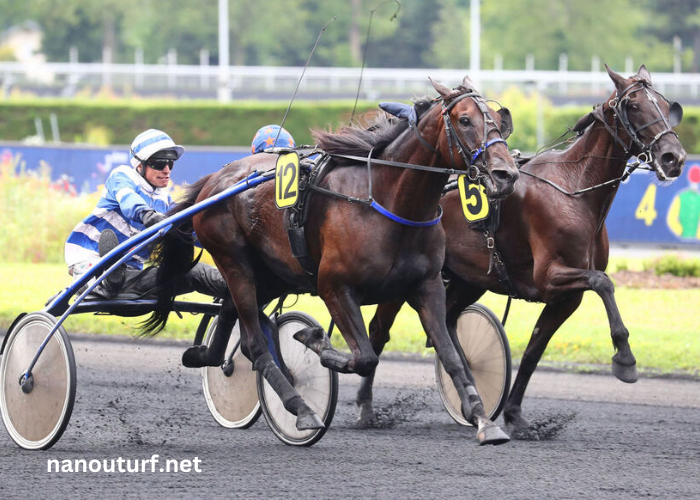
(312, 173)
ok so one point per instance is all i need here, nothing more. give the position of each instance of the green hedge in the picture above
(190, 122)
(212, 124)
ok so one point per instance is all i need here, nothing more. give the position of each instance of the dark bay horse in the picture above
(554, 245)
(361, 256)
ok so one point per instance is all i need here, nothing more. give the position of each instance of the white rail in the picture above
(276, 82)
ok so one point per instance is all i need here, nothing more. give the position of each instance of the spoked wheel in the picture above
(317, 385)
(36, 420)
(485, 347)
(231, 391)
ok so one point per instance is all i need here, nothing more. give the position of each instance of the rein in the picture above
(631, 167)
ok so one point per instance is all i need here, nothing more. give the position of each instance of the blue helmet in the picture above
(265, 138)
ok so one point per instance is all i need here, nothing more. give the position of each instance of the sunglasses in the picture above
(160, 164)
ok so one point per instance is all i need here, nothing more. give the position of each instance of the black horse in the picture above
(552, 236)
(359, 252)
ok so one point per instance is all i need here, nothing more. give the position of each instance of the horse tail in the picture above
(174, 257)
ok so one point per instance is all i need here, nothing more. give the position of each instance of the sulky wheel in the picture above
(317, 385)
(35, 418)
(231, 391)
(485, 346)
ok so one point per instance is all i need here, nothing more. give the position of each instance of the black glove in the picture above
(151, 217)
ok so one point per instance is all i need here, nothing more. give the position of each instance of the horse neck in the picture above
(602, 159)
(412, 194)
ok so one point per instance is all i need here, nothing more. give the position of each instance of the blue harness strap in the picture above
(403, 221)
(478, 152)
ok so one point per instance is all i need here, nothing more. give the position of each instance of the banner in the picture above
(84, 170)
(645, 211)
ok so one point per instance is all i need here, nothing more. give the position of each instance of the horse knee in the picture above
(365, 365)
(601, 283)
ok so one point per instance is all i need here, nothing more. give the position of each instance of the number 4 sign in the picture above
(646, 210)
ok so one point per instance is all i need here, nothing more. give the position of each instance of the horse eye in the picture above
(464, 120)
(634, 106)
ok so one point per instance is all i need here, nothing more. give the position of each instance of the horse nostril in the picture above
(669, 159)
(504, 176)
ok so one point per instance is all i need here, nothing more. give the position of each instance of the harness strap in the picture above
(478, 152)
(630, 168)
(600, 116)
(422, 140)
(438, 170)
(496, 262)
(403, 221)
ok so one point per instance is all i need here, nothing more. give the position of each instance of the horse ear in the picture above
(644, 74)
(618, 80)
(506, 122)
(441, 89)
(467, 83)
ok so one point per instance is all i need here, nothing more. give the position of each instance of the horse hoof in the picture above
(367, 415)
(491, 434)
(196, 357)
(309, 421)
(626, 373)
(313, 337)
(516, 425)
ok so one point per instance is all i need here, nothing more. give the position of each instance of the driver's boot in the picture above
(111, 285)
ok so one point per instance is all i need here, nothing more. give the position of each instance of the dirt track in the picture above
(605, 439)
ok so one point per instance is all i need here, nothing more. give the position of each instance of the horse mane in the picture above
(372, 132)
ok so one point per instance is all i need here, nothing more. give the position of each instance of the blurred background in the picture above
(80, 79)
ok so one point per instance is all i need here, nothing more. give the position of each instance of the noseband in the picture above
(619, 104)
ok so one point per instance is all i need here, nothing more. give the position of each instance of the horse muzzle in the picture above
(668, 162)
(502, 182)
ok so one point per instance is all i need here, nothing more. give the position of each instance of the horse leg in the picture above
(429, 302)
(566, 280)
(344, 308)
(198, 356)
(379, 329)
(255, 348)
(551, 318)
(624, 364)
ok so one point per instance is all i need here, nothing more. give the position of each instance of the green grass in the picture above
(663, 324)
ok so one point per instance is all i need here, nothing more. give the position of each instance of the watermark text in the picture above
(125, 465)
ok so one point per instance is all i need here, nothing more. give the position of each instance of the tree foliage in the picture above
(427, 33)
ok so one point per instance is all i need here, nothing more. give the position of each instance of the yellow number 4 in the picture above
(645, 209)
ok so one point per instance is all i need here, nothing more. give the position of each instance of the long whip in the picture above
(364, 52)
(302, 77)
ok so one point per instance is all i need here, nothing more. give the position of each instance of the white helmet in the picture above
(153, 141)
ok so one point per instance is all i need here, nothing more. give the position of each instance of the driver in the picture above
(134, 197)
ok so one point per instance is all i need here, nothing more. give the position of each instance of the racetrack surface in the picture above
(601, 439)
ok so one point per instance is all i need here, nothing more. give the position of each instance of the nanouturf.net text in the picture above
(121, 465)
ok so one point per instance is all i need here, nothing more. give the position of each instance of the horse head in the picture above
(477, 133)
(648, 118)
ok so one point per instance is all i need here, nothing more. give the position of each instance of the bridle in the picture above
(619, 105)
(474, 171)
